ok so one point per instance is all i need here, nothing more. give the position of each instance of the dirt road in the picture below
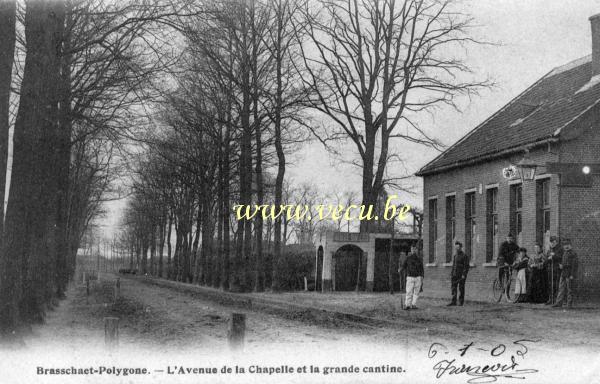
(159, 318)
(163, 329)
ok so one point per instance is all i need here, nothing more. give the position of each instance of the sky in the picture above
(530, 38)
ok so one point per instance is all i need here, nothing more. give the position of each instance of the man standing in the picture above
(506, 256)
(458, 277)
(568, 270)
(555, 255)
(413, 266)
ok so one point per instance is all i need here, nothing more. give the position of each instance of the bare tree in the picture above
(374, 65)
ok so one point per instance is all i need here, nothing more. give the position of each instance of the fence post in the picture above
(117, 289)
(237, 331)
(111, 332)
(87, 291)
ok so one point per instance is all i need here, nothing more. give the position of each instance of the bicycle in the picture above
(503, 287)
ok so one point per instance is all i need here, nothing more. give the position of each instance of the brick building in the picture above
(347, 260)
(555, 125)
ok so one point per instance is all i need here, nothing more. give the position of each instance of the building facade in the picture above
(555, 126)
(349, 260)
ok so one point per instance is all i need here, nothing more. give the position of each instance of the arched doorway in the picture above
(350, 268)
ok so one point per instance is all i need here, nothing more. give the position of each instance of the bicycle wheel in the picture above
(497, 290)
(511, 295)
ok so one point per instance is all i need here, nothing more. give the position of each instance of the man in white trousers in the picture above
(413, 265)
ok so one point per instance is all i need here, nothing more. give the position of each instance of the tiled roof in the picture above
(537, 114)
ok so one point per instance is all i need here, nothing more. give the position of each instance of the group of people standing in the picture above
(546, 277)
(413, 267)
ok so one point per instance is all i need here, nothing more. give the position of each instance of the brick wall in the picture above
(580, 207)
(479, 177)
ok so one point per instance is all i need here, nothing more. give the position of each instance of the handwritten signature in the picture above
(502, 364)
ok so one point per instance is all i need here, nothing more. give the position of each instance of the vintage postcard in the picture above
(300, 191)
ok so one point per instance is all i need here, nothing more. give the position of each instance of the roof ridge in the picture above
(570, 65)
(559, 130)
(471, 132)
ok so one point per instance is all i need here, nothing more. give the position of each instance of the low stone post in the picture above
(237, 331)
(111, 332)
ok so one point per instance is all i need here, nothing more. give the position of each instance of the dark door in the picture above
(348, 260)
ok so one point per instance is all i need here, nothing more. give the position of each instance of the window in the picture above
(470, 223)
(491, 225)
(450, 226)
(433, 218)
(543, 212)
(516, 208)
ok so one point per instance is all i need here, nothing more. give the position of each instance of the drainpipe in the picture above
(558, 190)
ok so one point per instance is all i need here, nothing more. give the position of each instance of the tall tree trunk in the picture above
(63, 161)
(153, 249)
(207, 234)
(258, 221)
(369, 197)
(169, 263)
(244, 230)
(145, 247)
(225, 214)
(278, 146)
(8, 265)
(218, 261)
(185, 273)
(196, 260)
(28, 250)
(161, 245)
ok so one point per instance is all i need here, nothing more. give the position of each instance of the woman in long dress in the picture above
(520, 267)
(538, 282)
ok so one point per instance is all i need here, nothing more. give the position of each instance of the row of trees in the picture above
(229, 114)
(215, 96)
(72, 76)
(255, 79)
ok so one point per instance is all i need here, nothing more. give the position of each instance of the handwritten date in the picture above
(501, 362)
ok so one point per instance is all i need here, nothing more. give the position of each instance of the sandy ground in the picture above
(162, 329)
(160, 318)
(577, 327)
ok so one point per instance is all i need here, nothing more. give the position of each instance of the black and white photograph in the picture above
(300, 191)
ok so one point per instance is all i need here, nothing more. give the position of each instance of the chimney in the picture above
(595, 21)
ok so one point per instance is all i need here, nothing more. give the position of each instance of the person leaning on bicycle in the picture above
(506, 257)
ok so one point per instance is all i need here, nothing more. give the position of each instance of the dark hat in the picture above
(566, 242)
(553, 238)
(509, 235)
(523, 249)
(458, 243)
